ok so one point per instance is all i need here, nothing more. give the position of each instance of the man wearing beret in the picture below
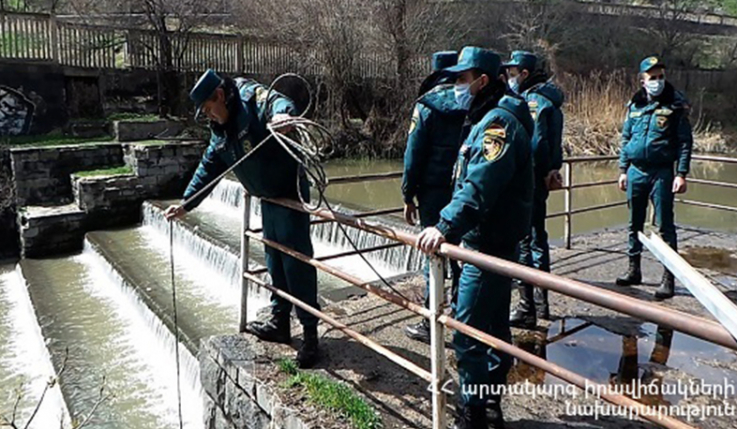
(490, 212)
(432, 149)
(656, 137)
(239, 112)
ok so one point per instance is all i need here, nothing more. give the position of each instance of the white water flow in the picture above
(25, 364)
(226, 202)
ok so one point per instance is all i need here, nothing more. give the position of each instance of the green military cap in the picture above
(444, 59)
(204, 88)
(649, 63)
(523, 60)
(472, 57)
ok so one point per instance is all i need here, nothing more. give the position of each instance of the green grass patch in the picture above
(52, 139)
(114, 171)
(332, 395)
(133, 117)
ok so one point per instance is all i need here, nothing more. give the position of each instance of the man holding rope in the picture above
(241, 113)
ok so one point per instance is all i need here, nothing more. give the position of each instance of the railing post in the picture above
(239, 57)
(568, 205)
(437, 342)
(245, 227)
(54, 40)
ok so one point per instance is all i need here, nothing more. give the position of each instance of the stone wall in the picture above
(128, 131)
(51, 230)
(42, 175)
(170, 164)
(237, 393)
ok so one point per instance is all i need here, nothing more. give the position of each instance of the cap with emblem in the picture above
(204, 88)
(444, 59)
(472, 57)
(523, 60)
(649, 63)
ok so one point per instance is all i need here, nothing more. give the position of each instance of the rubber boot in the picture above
(667, 286)
(471, 418)
(308, 354)
(634, 274)
(524, 315)
(419, 331)
(274, 330)
(494, 416)
(542, 309)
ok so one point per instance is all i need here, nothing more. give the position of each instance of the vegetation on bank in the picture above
(133, 117)
(332, 395)
(55, 138)
(113, 171)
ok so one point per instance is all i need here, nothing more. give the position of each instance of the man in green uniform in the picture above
(490, 211)
(239, 113)
(656, 135)
(432, 148)
(527, 77)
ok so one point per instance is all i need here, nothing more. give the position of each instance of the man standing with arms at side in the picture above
(432, 148)
(656, 135)
(527, 78)
(490, 211)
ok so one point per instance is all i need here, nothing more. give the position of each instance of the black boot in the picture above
(471, 418)
(667, 286)
(274, 330)
(308, 354)
(419, 331)
(542, 308)
(523, 315)
(494, 415)
(634, 274)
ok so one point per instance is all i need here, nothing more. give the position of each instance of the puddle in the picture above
(711, 258)
(617, 360)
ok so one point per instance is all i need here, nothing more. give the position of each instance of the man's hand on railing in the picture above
(410, 213)
(173, 212)
(430, 239)
(623, 182)
(554, 180)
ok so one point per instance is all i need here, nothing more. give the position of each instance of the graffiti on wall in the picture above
(16, 112)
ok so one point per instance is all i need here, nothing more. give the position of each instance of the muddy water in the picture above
(612, 359)
(384, 194)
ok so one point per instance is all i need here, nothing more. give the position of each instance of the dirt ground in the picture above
(607, 347)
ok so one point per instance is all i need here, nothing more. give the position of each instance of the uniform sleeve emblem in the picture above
(261, 94)
(494, 139)
(414, 121)
(662, 121)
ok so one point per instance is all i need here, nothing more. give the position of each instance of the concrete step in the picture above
(51, 230)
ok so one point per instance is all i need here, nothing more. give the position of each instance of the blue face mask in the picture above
(655, 87)
(463, 95)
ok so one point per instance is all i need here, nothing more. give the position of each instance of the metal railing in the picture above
(437, 376)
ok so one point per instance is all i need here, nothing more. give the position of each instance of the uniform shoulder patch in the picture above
(495, 136)
(415, 120)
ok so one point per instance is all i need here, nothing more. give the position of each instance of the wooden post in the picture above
(568, 228)
(239, 65)
(245, 227)
(437, 342)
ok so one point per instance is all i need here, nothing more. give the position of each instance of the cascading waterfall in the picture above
(27, 358)
(159, 340)
(218, 258)
(229, 194)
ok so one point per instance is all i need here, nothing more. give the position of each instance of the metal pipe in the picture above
(510, 349)
(724, 159)
(245, 248)
(707, 205)
(677, 320)
(378, 348)
(598, 207)
(341, 254)
(364, 178)
(592, 184)
(568, 225)
(714, 183)
(571, 377)
(437, 342)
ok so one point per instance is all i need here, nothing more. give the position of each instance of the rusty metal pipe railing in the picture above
(373, 345)
(365, 178)
(707, 205)
(340, 254)
(643, 410)
(714, 183)
(677, 320)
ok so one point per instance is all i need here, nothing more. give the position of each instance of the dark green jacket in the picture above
(270, 172)
(433, 142)
(545, 100)
(492, 203)
(657, 133)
